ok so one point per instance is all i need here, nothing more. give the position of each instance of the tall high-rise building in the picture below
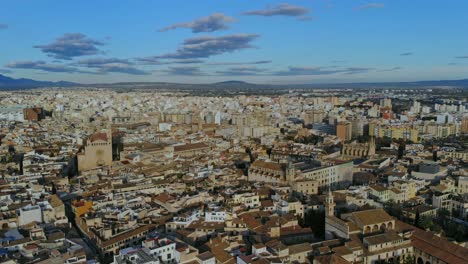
(464, 125)
(401, 131)
(359, 127)
(344, 130)
(386, 103)
(416, 108)
(311, 117)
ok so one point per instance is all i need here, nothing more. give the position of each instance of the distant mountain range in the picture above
(232, 83)
(463, 83)
(8, 83)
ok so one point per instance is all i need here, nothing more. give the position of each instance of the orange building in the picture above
(344, 130)
(387, 113)
(464, 126)
(33, 113)
(81, 207)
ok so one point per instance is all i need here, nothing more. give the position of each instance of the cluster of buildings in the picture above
(103, 176)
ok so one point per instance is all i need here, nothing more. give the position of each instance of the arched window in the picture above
(375, 228)
(389, 226)
(368, 229)
(420, 261)
(383, 227)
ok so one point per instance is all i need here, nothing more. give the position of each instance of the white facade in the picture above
(249, 199)
(333, 176)
(164, 127)
(166, 253)
(12, 113)
(29, 214)
(219, 216)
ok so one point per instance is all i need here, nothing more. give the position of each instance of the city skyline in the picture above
(233, 132)
(272, 42)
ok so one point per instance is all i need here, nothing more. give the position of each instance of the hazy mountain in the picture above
(463, 83)
(233, 83)
(8, 83)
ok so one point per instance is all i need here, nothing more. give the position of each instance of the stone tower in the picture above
(96, 152)
(329, 204)
(371, 147)
(290, 172)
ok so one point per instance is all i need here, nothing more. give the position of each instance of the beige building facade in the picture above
(96, 152)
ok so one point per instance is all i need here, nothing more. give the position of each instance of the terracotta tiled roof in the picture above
(370, 217)
(164, 197)
(387, 237)
(217, 247)
(190, 147)
(293, 230)
(127, 235)
(201, 224)
(433, 245)
(267, 203)
(205, 256)
(268, 165)
(251, 222)
(300, 248)
(98, 136)
(276, 244)
(342, 251)
(330, 259)
(259, 245)
(55, 201)
(260, 261)
(378, 188)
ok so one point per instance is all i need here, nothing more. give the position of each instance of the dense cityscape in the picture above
(233, 132)
(101, 175)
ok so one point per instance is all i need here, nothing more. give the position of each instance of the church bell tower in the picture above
(290, 172)
(329, 204)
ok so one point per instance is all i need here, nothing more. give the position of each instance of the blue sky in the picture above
(202, 41)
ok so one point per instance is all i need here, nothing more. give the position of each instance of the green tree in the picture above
(442, 216)
(451, 229)
(409, 260)
(268, 151)
(316, 221)
(393, 209)
(401, 151)
(417, 218)
(436, 228)
(425, 222)
(342, 210)
(461, 233)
